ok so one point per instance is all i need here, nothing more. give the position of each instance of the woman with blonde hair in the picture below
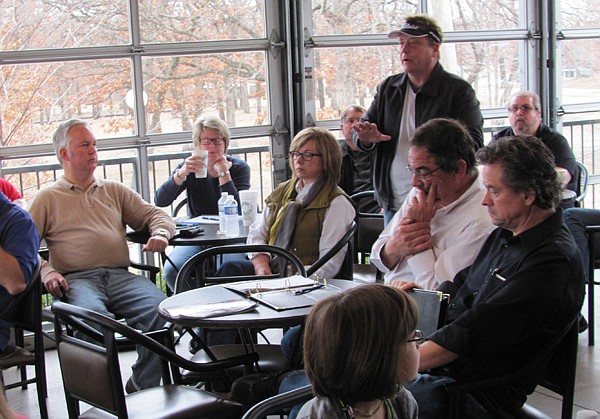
(225, 173)
(307, 214)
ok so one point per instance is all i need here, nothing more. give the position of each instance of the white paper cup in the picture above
(201, 154)
(249, 204)
(586, 414)
(562, 176)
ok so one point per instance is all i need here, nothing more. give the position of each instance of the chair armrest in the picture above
(277, 403)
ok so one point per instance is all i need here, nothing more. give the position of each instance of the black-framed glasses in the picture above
(422, 173)
(215, 141)
(418, 337)
(524, 109)
(307, 155)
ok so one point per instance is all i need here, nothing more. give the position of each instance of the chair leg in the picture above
(591, 299)
(591, 311)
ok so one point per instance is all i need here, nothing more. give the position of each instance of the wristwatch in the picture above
(221, 174)
(162, 232)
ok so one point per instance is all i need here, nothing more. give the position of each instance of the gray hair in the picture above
(357, 108)
(60, 137)
(526, 93)
(210, 122)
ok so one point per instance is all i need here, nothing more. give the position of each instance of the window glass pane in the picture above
(35, 98)
(29, 175)
(580, 71)
(181, 88)
(469, 15)
(345, 17)
(492, 68)
(578, 14)
(40, 24)
(346, 76)
(201, 20)
(337, 17)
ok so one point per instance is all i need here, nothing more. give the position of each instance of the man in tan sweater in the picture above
(83, 220)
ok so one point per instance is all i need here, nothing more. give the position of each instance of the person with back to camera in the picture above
(225, 174)
(360, 347)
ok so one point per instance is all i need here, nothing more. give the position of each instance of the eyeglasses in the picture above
(524, 109)
(215, 141)
(307, 155)
(422, 174)
(418, 337)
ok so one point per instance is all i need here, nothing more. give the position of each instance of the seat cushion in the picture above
(175, 401)
(271, 360)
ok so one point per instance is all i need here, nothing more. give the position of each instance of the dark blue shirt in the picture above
(203, 193)
(18, 237)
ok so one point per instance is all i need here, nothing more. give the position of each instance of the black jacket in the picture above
(444, 95)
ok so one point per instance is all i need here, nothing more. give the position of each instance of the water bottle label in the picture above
(231, 210)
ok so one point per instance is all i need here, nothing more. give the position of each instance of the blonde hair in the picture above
(327, 145)
(210, 122)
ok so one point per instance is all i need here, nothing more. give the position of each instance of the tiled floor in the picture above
(587, 392)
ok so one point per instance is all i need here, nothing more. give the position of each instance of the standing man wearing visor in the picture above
(406, 100)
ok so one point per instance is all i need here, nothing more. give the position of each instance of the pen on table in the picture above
(497, 275)
(204, 217)
(307, 290)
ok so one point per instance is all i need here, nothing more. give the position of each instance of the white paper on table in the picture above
(203, 311)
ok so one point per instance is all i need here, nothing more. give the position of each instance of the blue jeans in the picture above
(118, 292)
(576, 219)
(179, 255)
(291, 381)
(388, 215)
(430, 395)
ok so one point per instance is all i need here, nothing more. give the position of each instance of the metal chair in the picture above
(557, 360)
(369, 227)
(347, 268)
(199, 271)
(100, 385)
(25, 312)
(279, 403)
(581, 185)
(178, 207)
(594, 263)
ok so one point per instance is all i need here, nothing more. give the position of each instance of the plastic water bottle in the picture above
(232, 223)
(221, 203)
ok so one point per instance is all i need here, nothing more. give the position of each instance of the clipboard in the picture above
(282, 294)
(433, 308)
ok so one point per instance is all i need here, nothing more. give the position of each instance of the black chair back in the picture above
(279, 403)
(347, 265)
(99, 383)
(198, 271)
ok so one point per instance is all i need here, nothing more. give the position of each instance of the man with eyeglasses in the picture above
(523, 291)
(525, 116)
(407, 100)
(441, 226)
